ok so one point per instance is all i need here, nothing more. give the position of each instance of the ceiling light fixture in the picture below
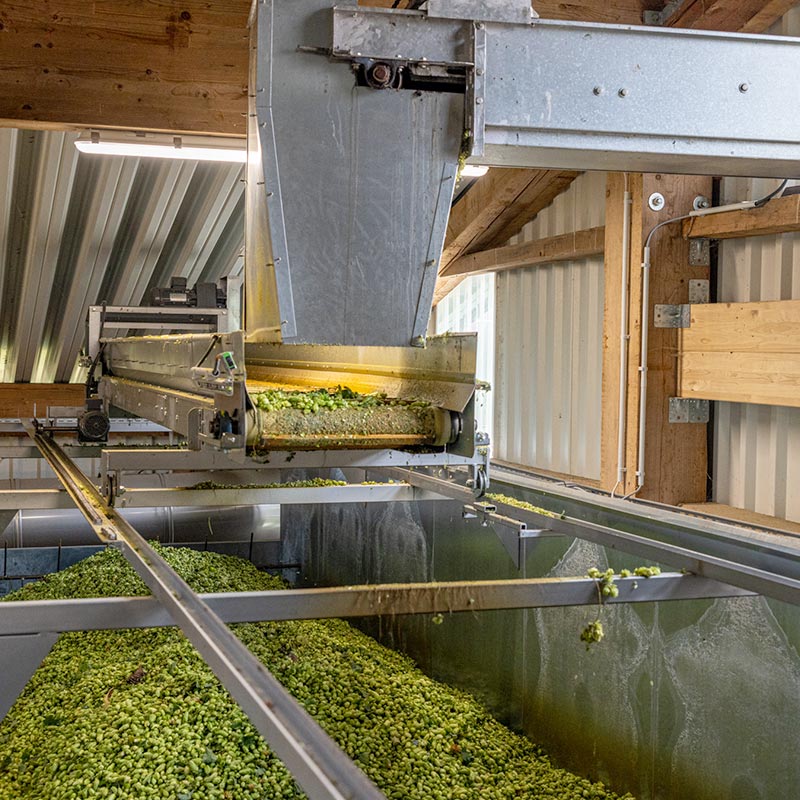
(474, 170)
(161, 145)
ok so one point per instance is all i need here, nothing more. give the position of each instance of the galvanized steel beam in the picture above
(768, 564)
(580, 95)
(60, 616)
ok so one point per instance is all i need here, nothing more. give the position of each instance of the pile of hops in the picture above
(137, 714)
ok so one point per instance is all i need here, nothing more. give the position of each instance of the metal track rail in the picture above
(316, 762)
(759, 562)
(111, 613)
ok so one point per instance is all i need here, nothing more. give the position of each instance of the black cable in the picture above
(764, 200)
(89, 377)
(214, 339)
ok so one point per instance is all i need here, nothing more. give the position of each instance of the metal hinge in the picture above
(672, 316)
(684, 409)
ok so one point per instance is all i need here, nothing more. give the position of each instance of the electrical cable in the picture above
(764, 200)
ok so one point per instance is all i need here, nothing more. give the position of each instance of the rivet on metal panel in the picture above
(700, 252)
(744, 87)
(688, 410)
(672, 316)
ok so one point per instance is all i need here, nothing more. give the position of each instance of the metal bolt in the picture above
(623, 92)
(743, 87)
(656, 201)
(479, 100)
(479, 71)
(598, 90)
(701, 202)
(479, 25)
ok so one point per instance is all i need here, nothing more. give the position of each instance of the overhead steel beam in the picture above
(59, 616)
(605, 97)
(768, 564)
(320, 767)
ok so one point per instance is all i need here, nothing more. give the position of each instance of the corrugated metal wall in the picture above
(76, 230)
(757, 448)
(469, 308)
(548, 357)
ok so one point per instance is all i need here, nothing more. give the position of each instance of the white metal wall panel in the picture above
(77, 230)
(548, 358)
(469, 308)
(757, 448)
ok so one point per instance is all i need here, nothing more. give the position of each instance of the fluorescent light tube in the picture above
(473, 171)
(157, 145)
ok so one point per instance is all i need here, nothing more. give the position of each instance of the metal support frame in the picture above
(317, 763)
(765, 563)
(592, 105)
(150, 318)
(114, 613)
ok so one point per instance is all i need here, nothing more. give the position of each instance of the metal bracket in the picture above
(685, 409)
(700, 252)
(660, 18)
(699, 292)
(672, 316)
(489, 10)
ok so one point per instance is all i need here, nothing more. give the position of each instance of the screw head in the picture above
(623, 92)
(656, 201)
(743, 87)
(598, 90)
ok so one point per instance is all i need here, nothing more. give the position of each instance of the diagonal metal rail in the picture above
(316, 762)
(767, 564)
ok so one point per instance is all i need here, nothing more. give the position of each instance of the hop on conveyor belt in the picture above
(340, 418)
(127, 715)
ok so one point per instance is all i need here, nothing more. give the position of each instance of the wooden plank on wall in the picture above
(566, 247)
(781, 215)
(17, 400)
(742, 353)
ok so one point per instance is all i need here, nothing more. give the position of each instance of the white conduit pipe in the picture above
(643, 355)
(624, 336)
(701, 212)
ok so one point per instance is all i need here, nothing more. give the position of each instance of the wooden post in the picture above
(675, 454)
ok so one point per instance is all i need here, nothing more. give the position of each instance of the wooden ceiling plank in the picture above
(751, 16)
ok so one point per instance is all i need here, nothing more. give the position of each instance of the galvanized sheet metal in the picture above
(757, 448)
(76, 230)
(548, 358)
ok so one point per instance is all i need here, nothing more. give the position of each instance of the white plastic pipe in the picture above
(624, 337)
(643, 367)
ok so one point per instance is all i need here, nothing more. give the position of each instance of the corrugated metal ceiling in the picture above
(77, 230)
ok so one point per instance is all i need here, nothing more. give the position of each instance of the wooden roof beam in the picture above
(547, 250)
(744, 16)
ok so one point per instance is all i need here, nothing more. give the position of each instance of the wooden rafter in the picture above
(496, 208)
(565, 247)
(746, 16)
